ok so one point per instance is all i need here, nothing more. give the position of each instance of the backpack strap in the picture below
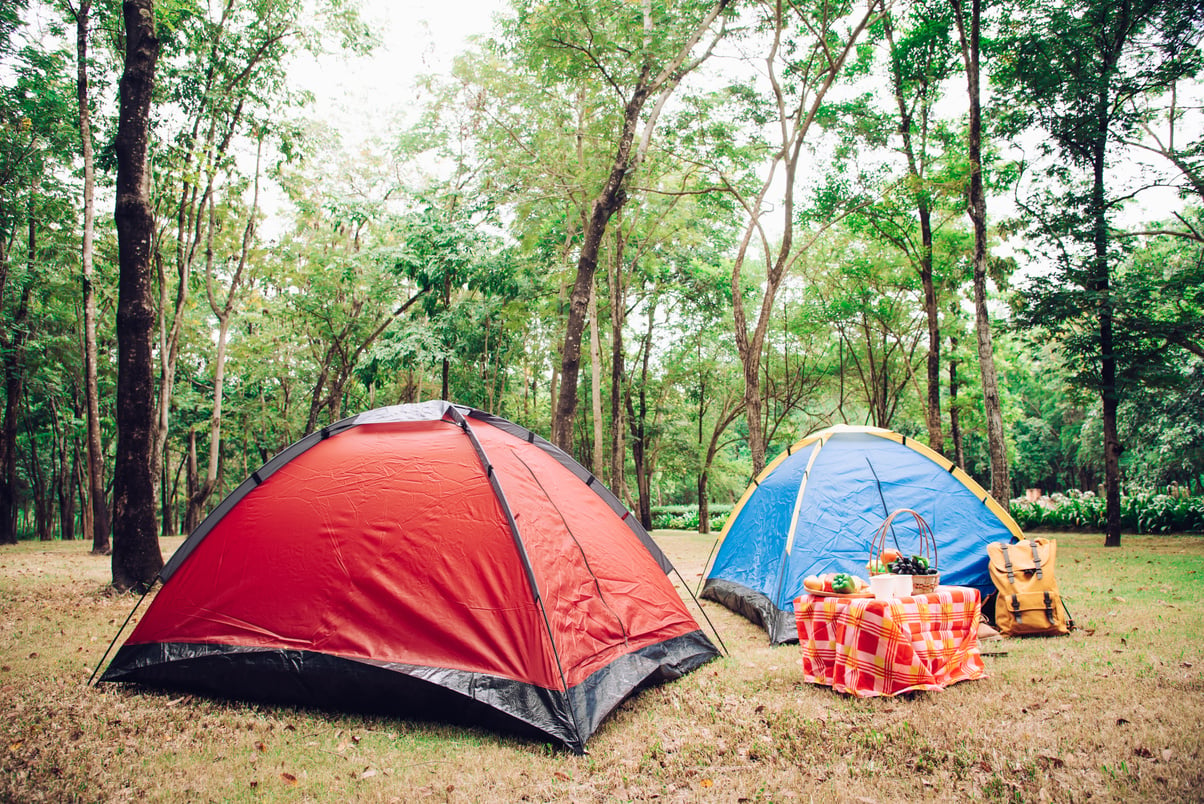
(1016, 607)
(1007, 562)
(1036, 558)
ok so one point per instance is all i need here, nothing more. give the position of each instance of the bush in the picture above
(1142, 512)
(685, 517)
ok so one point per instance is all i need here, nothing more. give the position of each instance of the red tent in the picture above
(425, 560)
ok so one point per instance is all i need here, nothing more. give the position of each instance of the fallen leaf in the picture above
(368, 773)
(259, 746)
(1167, 754)
(1143, 752)
(708, 783)
(288, 778)
(562, 776)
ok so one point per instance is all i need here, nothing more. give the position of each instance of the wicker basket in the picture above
(919, 583)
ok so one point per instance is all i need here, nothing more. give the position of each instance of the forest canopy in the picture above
(673, 237)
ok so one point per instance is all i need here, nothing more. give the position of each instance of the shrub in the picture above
(1141, 512)
(685, 517)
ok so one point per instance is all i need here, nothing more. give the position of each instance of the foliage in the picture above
(447, 249)
(685, 517)
(1141, 512)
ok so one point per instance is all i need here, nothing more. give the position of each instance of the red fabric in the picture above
(869, 647)
(387, 542)
(604, 593)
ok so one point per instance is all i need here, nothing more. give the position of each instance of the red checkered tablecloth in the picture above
(870, 647)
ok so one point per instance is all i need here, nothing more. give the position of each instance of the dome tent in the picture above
(818, 505)
(422, 560)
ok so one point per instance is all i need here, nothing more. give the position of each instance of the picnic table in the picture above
(867, 647)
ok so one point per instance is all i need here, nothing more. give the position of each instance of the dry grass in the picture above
(1112, 712)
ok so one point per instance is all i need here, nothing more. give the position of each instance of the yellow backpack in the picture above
(1028, 603)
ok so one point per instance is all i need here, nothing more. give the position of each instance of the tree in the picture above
(1073, 69)
(227, 70)
(913, 206)
(969, 35)
(136, 556)
(36, 143)
(96, 500)
(808, 45)
(665, 39)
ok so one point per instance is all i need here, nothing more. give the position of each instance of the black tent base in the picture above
(759, 609)
(332, 683)
(311, 679)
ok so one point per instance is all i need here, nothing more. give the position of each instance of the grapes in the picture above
(914, 565)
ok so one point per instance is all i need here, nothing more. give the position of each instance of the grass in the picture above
(1112, 712)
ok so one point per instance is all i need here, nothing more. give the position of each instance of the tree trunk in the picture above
(595, 361)
(199, 491)
(610, 200)
(977, 208)
(136, 555)
(192, 484)
(638, 422)
(97, 505)
(955, 429)
(618, 312)
(63, 488)
(12, 347)
(1101, 285)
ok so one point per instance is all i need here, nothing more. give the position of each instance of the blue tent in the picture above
(817, 507)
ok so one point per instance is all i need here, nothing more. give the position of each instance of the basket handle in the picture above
(927, 539)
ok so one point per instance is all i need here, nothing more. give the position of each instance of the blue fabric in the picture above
(857, 479)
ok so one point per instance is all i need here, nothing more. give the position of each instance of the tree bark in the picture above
(618, 313)
(136, 555)
(955, 427)
(1101, 285)
(595, 360)
(977, 208)
(97, 504)
(12, 347)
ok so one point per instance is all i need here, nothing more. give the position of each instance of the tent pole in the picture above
(487, 466)
(705, 568)
(117, 636)
(701, 610)
(885, 510)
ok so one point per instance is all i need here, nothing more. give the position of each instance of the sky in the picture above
(361, 95)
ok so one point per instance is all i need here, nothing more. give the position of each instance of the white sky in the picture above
(361, 95)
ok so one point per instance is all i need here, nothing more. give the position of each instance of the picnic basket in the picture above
(927, 548)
